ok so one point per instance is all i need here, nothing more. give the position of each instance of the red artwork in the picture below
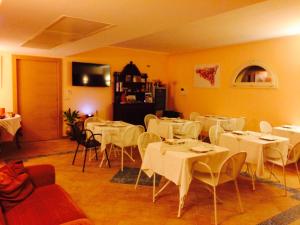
(208, 73)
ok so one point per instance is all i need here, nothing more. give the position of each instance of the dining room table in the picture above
(106, 130)
(173, 159)
(9, 128)
(227, 123)
(292, 132)
(256, 144)
(165, 127)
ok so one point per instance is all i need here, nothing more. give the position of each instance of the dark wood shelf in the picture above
(131, 112)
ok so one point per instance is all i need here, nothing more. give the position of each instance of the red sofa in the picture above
(49, 204)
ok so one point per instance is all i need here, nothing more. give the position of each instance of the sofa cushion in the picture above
(47, 205)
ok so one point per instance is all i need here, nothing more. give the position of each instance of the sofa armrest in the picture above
(82, 221)
(41, 175)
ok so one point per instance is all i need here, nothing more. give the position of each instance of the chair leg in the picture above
(138, 178)
(102, 160)
(271, 171)
(85, 153)
(96, 153)
(153, 190)
(284, 180)
(107, 158)
(75, 154)
(238, 196)
(215, 206)
(90, 154)
(297, 171)
(122, 158)
(110, 149)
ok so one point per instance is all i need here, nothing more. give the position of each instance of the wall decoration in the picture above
(1, 70)
(207, 76)
(255, 74)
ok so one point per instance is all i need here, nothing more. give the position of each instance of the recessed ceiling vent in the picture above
(65, 29)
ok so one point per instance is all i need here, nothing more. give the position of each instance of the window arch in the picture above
(254, 75)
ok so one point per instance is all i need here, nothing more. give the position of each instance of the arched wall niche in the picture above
(255, 75)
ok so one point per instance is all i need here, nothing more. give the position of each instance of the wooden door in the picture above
(38, 97)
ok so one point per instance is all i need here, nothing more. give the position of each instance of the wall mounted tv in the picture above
(90, 74)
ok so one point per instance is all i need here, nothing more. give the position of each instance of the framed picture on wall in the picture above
(207, 76)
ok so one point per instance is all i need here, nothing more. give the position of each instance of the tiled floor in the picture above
(120, 204)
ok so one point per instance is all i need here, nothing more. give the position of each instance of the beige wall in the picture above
(90, 99)
(279, 106)
(6, 90)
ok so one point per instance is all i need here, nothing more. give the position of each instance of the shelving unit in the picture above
(131, 85)
(129, 97)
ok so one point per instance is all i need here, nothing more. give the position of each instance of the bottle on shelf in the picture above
(120, 86)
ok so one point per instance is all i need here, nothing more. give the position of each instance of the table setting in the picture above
(254, 143)
(165, 127)
(289, 131)
(173, 159)
(10, 123)
(107, 129)
(210, 120)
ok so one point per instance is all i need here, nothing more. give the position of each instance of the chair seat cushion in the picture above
(47, 205)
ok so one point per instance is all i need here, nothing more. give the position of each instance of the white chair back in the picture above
(147, 118)
(294, 154)
(191, 130)
(229, 125)
(129, 136)
(141, 128)
(265, 127)
(144, 139)
(231, 167)
(234, 124)
(194, 115)
(214, 134)
(240, 123)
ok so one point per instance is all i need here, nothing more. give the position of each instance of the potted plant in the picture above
(70, 117)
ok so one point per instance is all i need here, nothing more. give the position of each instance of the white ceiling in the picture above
(159, 25)
(266, 20)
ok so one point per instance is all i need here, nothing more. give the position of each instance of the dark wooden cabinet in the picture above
(133, 112)
(131, 95)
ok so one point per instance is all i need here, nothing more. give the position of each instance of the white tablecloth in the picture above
(165, 127)
(211, 120)
(11, 125)
(108, 131)
(290, 132)
(175, 162)
(251, 143)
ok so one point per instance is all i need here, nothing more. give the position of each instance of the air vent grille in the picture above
(65, 29)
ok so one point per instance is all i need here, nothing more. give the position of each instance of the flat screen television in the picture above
(90, 74)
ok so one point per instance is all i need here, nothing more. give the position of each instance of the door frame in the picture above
(15, 59)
